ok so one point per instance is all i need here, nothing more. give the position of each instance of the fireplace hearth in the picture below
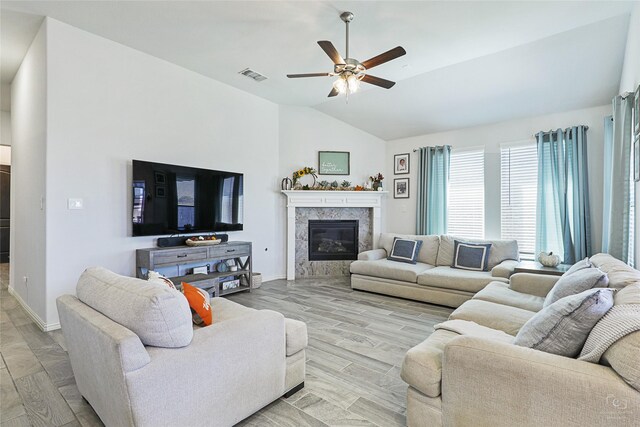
(333, 240)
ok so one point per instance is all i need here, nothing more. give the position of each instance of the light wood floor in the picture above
(356, 344)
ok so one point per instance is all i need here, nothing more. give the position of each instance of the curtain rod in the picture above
(569, 128)
(428, 146)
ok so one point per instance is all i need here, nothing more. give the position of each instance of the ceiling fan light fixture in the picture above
(347, 83)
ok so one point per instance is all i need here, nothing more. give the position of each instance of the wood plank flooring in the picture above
(356, 344)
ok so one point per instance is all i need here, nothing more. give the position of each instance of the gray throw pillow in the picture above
(584, 263)
(574, 283)
(563, 327)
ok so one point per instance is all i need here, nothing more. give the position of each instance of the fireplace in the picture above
(333, 240)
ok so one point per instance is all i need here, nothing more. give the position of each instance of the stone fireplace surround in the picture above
(304, 205)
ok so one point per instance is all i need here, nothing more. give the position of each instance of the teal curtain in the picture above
(618, 180)
(607, 180)
(563, 214)
(433, 188)
(550, 210)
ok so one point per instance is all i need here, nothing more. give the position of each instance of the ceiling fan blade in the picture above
(387, 84)
(384, 57)
(333, 92)
(330, 50)
(296, 76)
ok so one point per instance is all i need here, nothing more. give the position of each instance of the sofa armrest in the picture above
(533, 284)
(237, 366)
(372, 255)
(505, 268)
(501, 384)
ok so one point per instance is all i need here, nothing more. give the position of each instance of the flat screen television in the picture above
(170, 199)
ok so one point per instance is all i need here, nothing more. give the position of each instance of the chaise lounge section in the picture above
(431, 279)
(484, 379)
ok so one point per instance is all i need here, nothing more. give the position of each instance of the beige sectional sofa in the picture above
(463, 380)
(211, 376)
(431, 279)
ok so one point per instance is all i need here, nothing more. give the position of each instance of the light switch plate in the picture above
(75, 204)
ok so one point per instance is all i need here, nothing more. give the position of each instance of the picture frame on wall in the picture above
(401, 164)
(636, 158)
(334, 163)
(401, 188)
(636, 112)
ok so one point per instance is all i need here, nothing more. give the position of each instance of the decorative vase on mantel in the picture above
(377, 186)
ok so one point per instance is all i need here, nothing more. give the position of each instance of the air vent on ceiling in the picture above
(253, 74)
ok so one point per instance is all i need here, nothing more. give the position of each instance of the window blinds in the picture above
(519, 182)
(466, 194)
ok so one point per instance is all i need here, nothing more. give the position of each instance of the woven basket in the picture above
(256, 280)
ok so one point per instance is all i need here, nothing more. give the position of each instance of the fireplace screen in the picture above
(331, 240)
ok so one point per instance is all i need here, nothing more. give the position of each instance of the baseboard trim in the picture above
(45, 327)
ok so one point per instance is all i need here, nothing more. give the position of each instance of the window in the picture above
(466, 194)
(186, 189)
(518, 195)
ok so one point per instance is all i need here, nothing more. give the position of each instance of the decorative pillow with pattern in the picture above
(155, 277)
(199, 303)
(563, 327)
(405, 250)
(471, 256)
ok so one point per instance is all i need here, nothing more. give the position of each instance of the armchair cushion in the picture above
(492, 315)
(159, 315)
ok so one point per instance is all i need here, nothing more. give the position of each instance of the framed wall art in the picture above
(401, 164)
(401, 188)
(334, 163)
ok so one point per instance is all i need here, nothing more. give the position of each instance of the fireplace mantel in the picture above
(329, 199)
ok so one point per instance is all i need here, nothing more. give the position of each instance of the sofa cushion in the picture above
(619, 273)
(500, 250)
(422, 365)
(501, 293)
(470, 256)
(428, 252)
(624, 357)
(462, 280)
(389, 269)
(159, 315)
(493, 315)
(295, 330)
(405, 250)
(563, 327)
(575, 283)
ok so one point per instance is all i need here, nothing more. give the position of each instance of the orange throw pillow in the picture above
(198, 303)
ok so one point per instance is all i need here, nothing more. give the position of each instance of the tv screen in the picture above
(170, 199)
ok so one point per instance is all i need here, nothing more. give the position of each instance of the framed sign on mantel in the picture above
(333, 163)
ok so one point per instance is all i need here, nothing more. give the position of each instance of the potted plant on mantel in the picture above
(376, 181)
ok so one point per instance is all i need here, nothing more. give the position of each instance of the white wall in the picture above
(305, 131)
(27, 236)
(401, 213)
(629, 81)
(109, 104)
(5, 128)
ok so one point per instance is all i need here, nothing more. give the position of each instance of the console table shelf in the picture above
(181, 257)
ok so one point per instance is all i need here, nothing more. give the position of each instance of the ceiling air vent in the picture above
(253, 74)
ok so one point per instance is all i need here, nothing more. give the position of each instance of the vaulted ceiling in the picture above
(467, 63)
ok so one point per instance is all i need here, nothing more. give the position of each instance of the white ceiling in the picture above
(467, 63)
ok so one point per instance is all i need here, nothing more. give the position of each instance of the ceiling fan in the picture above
(351, 71)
